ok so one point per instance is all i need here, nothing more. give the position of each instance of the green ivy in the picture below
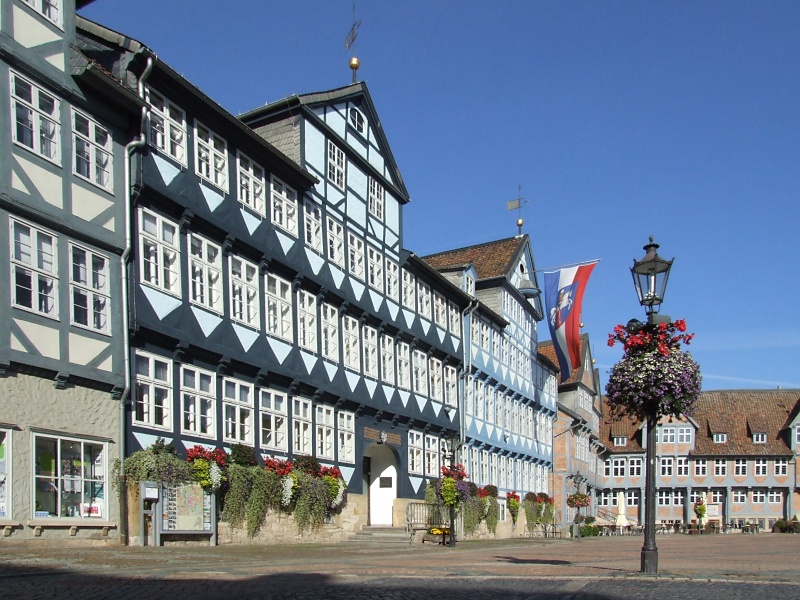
(259, 501)
(311, 506)
(492, 514)
(530, 514)
(472, 511)
(240, 480)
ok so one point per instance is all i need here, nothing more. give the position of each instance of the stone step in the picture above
(380, 536)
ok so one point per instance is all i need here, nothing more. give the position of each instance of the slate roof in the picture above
(733, 412)
(492, 259)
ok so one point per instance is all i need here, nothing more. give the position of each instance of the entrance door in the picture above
(382, 484)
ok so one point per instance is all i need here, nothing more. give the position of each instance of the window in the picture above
(312, 224)
(330, 332)
(335, 165)
(237, 407)
(346, 430)
(301, 426)
(410, 295)
(403, 366)
(740, 466)
(436, 384)
(370, 351)
(279, 307)
(251, 185)
(307, 320)
(759, 438)
(351, 343)
(284, 206)
(759, 496)
(210, 156)
(454, 320)
(424, 294)
(89, 289)
(682, 466)
(415, 448)
(159, 251)
(717, 496)
(685, 435)
(375, 274)
(619, 467)
(634, 467)
(376, 199)
(439, 310)
(244, 294)
(335, 242)
(387, 359)
(92, 146)
(205, 270)
(70, 478)
(273, 419)
(450, 386)
(620, 440)
(432, 456)
(34, 270)
(720, 438)
(666, 467)
(664, 497)
(153, 391)
(392, 279)
(49, 9)
(632, 498)
(761, 466)
(781, 466)
(678, 497)
(797, 435)
(668, 435)
(357, 121)
(420, 373)
(36, 118)
(167, 130)
(720, 467)
(198, 397)
(739, 495)
(775, 497)
(700, 467)
(469, 285)
(355, 254)
(324, 428)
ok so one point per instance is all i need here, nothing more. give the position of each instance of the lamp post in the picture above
(577, 480)
(650, 277)
(451, 442)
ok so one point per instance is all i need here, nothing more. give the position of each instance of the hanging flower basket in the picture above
(654, 377)
(578, 500)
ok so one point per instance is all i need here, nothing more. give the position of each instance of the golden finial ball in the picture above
(520, 222)
(355, 63)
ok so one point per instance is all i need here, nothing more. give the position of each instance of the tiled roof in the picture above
(733, 412)
(547, 348)
(492, 259)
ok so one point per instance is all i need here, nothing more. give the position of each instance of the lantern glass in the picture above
(650, 277)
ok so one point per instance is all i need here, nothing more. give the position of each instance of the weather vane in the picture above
(350, 40)
(517, 204)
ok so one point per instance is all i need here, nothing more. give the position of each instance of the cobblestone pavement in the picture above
(756, 567)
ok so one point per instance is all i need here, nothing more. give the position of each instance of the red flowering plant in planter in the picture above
(578, 500)
(513, 503)
(654, 377)
(208, 466)
(453, 488)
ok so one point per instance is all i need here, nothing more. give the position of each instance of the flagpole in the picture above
(575, 264)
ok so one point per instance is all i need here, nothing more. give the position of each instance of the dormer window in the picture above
(358, 121)
(720, 438)
(759, 438)
(469, 285)
(620, 440)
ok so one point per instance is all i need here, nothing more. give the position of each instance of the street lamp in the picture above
(577, 480)
(450, 443)
(650, 278)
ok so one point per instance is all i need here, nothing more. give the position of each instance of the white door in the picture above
(382, 485)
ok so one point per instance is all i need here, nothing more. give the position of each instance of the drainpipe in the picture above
(467, 336)
(130, 149)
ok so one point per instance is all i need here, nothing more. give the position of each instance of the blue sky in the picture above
(620, 120)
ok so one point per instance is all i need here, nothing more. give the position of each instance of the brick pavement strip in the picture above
(747, 567)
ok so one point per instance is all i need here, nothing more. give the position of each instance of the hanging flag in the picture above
(563, 295)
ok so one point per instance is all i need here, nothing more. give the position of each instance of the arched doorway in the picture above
(381, 480)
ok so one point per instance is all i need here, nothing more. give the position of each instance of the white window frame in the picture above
(355, 255)
(392, 279)
(40, 128)
(720, 467)
(167, 126)
(416, 463)
(740, 467)
(245, 296)
(34, 269)
(759, 496)
(682, 466)
(432, 456)
(387, 359)
(205, 273)
(357, 120)
(781, 466)
(312, 225)
(685, 435)
(330, 332)
(450, 386)
(717, 496)
(760, 466)
(375, 268)
(419, 372)
(345, 436)
(370, 335)
(283, 213)
(335, 242)
(759, 438)
(152, 405)
(377, 199)
(775, 497)
(279, 307)
(351, 343)
(632, 498)
(436, 387)
(159, 253)
(274, 421)
(700, 467)
(439, 309)
(336, 165)
(739, 495)
(198, 402)
(301, 426)
(210, 156)
(78, 477)
(410, 293)
(325, 438)
(618, 466)
(237, 411)
(454, 323)
(307, 320)
(92, 151)
(634, 467)
(620, 440)
(668, 435)
(89, 290)
(252, 184)
(720, 438)
(49, 9)
(424, 295)
(403, 366)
